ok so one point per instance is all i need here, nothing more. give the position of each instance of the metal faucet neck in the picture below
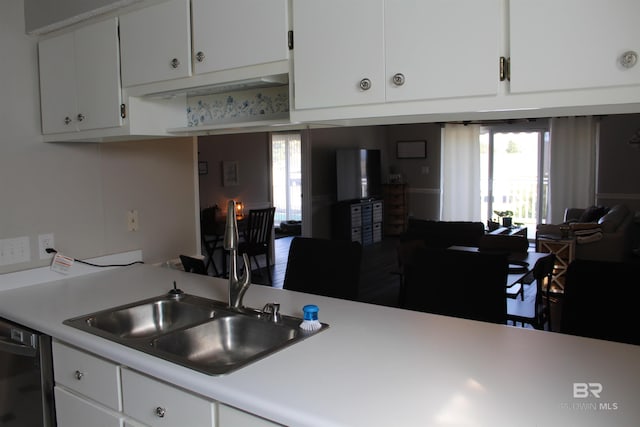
(237, 285)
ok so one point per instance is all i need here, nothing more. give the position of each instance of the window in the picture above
(286, 172)
(515, 175)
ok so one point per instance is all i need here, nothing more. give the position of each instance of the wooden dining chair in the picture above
(324, 267)
(257, 237)
(211, 233)
(458, 283)
(535, 309)
(511, 245)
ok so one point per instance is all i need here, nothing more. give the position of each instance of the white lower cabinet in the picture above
(74, 411)
(159, 404)
(93, 391)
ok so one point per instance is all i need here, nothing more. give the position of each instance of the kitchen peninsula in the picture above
(374, 365)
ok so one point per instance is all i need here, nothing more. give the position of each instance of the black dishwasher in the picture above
(26, 377)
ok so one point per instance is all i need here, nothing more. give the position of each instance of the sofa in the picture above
(442, 234)
(601, 233)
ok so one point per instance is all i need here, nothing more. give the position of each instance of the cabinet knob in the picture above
(365, 84)
(67, 120)
(200, 56)
(78, 375)
(81, 117)
(398, 79)
(175, 63)
(629, 59)
(160, 411)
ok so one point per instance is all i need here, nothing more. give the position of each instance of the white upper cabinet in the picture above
(362, 51)
(573, 44)
(80, 79)
(232, 34)
(338, 52)
(156, 43)
(441, 48)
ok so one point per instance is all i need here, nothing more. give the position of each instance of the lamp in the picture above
(239, 209)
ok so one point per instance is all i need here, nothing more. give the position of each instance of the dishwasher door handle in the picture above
(7, 346)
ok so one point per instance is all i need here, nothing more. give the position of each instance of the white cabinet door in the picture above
(441, 48)
(338, 53)
(232, 417)
(232, 34)
(73, 411)
(98, 75)
(155, 43)
(58, 99)
(159, 404)
(572, 44)
(80, 79)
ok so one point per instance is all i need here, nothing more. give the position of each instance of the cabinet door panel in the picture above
(151, 38)
(72, 411)
(239, 33)
(58, 84)
(336, 45)
(572, 44)
(443, 48)
(98, 75)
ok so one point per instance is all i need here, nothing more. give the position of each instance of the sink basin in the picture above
(225, 343)
(199, 333)
(146, 318)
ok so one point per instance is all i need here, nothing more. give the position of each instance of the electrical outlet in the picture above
(45, 241)
(132, 220)
(14, 251)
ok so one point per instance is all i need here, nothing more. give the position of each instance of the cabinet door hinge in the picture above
(290, 39)
(123, 111)
(505, 69)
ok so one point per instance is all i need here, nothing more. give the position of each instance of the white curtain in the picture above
(460, 180)
(572, 177)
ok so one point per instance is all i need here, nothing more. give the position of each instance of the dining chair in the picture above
(257, 236)
(324, 267)
(211, 232)
(458, 283)
(600, 300)
(511, 245)
(535, 309)
(193, 265)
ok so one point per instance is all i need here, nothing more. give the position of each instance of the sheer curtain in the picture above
(460, 180)
(572, 176)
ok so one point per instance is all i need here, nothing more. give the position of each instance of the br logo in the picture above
(584, 390)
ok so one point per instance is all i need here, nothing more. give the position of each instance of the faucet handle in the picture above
(273, 310)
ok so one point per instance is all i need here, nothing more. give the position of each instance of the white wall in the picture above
(81, 192)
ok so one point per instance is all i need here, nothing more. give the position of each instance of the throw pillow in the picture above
(592, 213)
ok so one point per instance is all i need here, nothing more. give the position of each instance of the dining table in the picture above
(521, 265)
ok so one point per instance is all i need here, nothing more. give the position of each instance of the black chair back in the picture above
(324, 267)
(463, 284)
(259, 227)
(193, 265)
(600, 300)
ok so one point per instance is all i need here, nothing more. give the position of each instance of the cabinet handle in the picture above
(629, 59)
(78, 375)
(81, 117)
(67, 120)
(175, 63)
(200, 56)
(398, 79)
(365, 84)
(160, 411)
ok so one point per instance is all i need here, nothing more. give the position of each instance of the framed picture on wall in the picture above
(230, 174)
(411, 149)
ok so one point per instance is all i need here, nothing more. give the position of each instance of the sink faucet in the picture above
(237, 286)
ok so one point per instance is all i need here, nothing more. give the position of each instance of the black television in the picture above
(358, 173)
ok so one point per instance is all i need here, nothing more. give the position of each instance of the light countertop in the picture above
(374, 366)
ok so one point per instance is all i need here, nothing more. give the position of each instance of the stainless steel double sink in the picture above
(199, 333)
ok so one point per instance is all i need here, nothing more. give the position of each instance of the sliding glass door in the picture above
(286, 169)
(514, 175)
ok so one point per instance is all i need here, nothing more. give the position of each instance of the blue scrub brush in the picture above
(310, 320)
